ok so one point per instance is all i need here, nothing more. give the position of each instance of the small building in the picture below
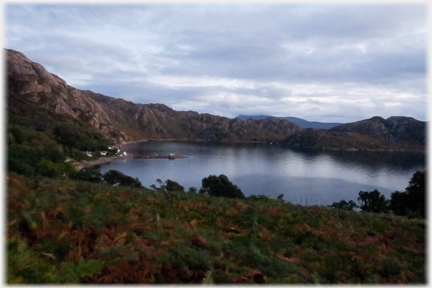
(121, 154)
(103, 153)
(90, 154)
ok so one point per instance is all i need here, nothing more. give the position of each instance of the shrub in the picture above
(343, 205)
(90, 175)
(48, 169)
(177, 264)
(398, 203)
(114, 177)
(20, 167)
(412, 202)
(372, 201)
(417, 192)
(220, 187)
(192, 190)
(171, 185)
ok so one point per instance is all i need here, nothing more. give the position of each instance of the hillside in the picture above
(304, 124)
(391, 130)
(64, 231)
(32, 88)
(124, 121)
(377, 133)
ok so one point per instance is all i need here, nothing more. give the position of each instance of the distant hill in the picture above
(377, 133)
(40, 101)
(304, 124)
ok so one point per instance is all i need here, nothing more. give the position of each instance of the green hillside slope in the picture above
(63, 231)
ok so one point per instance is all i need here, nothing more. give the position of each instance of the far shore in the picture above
(347, 149)
(104, 160)
(190, 140)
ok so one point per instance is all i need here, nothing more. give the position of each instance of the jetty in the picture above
(156, 156)
(105, 160)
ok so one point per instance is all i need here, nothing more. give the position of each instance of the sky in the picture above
(320, 62)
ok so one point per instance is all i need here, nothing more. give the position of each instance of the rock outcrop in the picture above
(124, 121)
(30, 81)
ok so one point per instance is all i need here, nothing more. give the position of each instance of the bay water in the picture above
(306, 177)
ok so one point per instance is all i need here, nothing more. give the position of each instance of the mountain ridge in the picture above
(125, 121)
(376, 133)
(304, 124)
(122, 121)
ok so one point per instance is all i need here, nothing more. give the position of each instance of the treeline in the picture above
(411, 202)
(218, 186)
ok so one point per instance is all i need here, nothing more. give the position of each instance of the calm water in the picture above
(304, 177)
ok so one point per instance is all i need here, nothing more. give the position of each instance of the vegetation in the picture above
(343, 205)
(70, 231)
(40, 142)
(169, 185)
(411, 203)
(71, 227)
(372, 201)
(220, 186)
(114, 177)
(80, 227)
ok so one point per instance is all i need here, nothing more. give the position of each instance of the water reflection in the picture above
(320, 177)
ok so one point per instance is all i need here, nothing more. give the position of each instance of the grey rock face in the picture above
(125, 121)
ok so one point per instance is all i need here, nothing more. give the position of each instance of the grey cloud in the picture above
(334, 46)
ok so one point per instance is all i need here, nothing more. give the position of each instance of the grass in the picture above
(64, 231)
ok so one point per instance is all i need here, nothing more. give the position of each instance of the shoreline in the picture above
(192, 140)
(278, 144)
(103, 160)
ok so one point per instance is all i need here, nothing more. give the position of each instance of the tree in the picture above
(220, 186)
(280, 198)
(168, 185)
(192, 190)
(171, 185)
(398, 203)
(114, 177)
(417, 192)
(372, 201)
(412, 202)
(343, 205)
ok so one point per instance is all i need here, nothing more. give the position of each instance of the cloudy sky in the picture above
(330, 63)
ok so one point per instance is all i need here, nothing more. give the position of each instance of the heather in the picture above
(72, 231)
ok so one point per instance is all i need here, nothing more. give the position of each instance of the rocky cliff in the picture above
(31, 82)
(124, 121)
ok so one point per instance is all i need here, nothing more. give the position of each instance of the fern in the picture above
(208, 279)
